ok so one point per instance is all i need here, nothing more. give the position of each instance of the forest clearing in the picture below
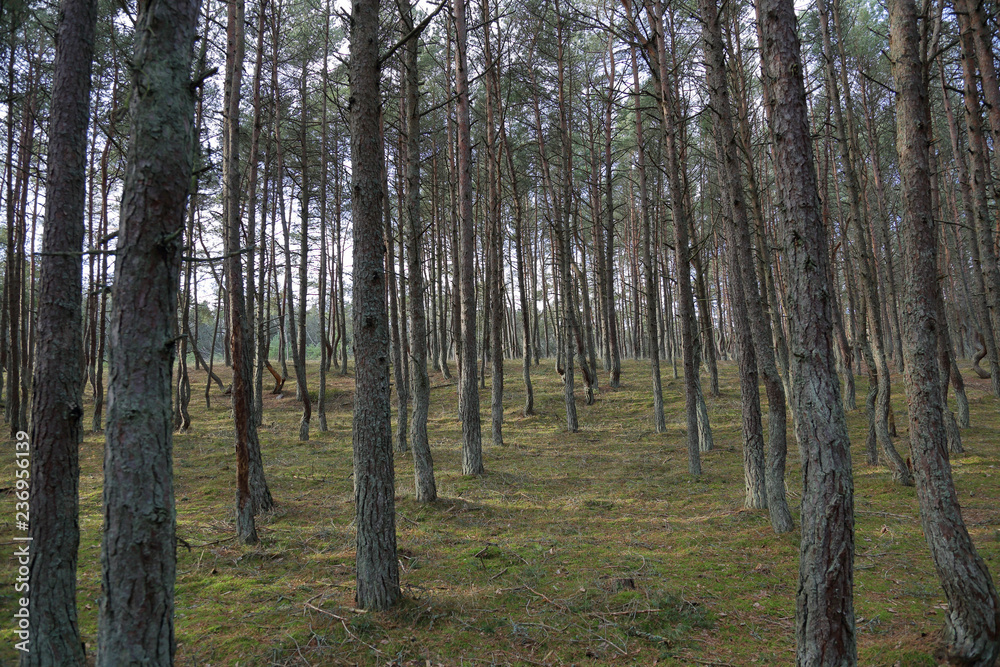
(556, 556)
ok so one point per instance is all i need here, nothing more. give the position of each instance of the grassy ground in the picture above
(589, 548)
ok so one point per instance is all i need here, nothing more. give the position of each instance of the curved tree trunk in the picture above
(972, 634)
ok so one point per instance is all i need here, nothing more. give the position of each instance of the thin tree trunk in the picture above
(682, 250)
(659, 421)
(472, 448)
(752, 350)
(426, 489)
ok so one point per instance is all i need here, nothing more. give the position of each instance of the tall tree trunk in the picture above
(240, 340)
(138, 546)
(325, 349)
(752, 350)
(374, 483)
(825, 627)
(57, 403)
(494, 249)
(299, 342)
(858, 232)
(609, 225)
(972, 634)
(682, 250)
(522, 270)
(472, 446)
(983, 226)
(659, 421)
(398, 357)
(423, 464)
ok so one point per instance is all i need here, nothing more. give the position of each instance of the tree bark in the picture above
(57, 401)
(972, 625)
(682, 250)
(754, 350)
(374, 483)
(472, 445)
(138, 549)
(659, 421)
(825, 628)
(423, 464)
(240, 340)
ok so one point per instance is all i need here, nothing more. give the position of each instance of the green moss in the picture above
(586, 548)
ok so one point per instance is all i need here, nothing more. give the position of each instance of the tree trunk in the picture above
(682, 250)
(983, 228)
(972, 634)
(865, 263)
(240, 340)
(472, 446)
(659, 421)
(825, 628)
(57, 403)
(426, 489)
(609, 226)
(138, 548)
(761, 486)
(374, 484)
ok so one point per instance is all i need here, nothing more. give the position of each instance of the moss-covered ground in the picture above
(588, 548)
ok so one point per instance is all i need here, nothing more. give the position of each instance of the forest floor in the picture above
(589, 548)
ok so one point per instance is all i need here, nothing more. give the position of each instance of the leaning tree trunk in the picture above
(757, 482)
(865, 263)
(138, 546)
(374, 483)
(982, 227)
(972, 624)
(760, 324)
(57, 403)
(825, 628)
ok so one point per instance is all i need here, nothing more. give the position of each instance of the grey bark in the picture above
(374, 484)
(972, 625)
(825, 627)
(652, 293)
(654, 10)
(751, 326)
(472, 444)
(423, 464)
(57, 401)
(138, 548)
